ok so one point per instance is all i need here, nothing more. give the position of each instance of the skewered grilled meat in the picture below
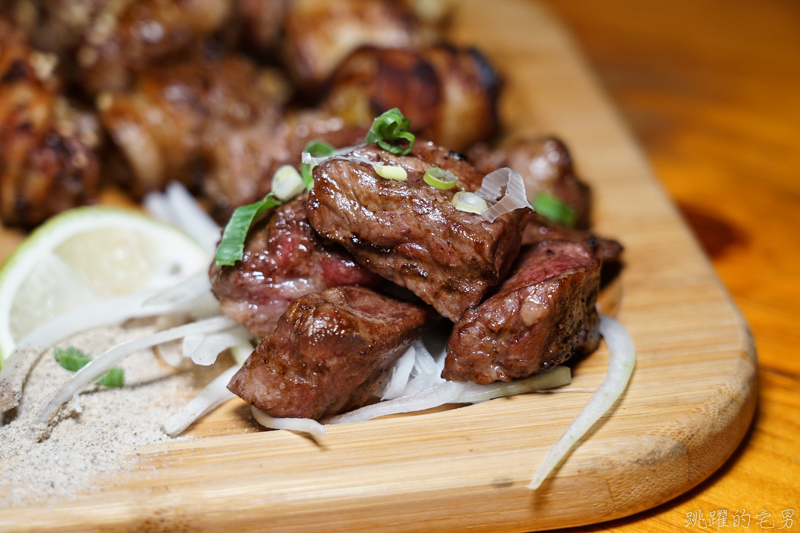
(112, 40)
(545, 165)
(262, 23)
(283, 260)
(448, 93)
(410, 232)
(47, 158)
(328, 352)
(212, 123)
(173, 124)
(319, 34)
(542, 315)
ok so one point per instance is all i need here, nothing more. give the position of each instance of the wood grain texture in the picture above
(688, 406)
(710, 90)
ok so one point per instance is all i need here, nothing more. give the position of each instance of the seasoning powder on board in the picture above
(93, 446)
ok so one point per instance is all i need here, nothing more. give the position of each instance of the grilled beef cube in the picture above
(329, 352)
(607, 251)
(541, 316)
(283, 260)
(435, 87)
(545, 165)
(410, 232)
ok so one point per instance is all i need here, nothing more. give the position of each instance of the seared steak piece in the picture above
(545, 165)
(328, 352)
(283, 260)
(410, 232)
(541, 316)
(607, 251)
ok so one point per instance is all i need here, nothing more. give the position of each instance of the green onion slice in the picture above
(287, 183)
(73, 359)
(469, 202)
(549, 206)
(316, 148)
(440, 178)
(391, 172)
(231, 247)
(391, 126)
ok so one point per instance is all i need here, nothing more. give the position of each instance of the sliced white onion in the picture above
(427, 371)
(204, 306)
(621, 361)
(192, 287)
(241, 352)
(215, 394)
(400, 374)
(108, 312)
(492, 186)
(105, 362)
(211, 346)
(192, 218)
(440, 394)
(157, 205)
(287, 183)
(302, 425)
(191, 343)
(556, 377)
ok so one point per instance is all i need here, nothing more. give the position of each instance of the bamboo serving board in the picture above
(689, 403)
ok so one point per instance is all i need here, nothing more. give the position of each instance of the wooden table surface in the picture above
(712, 92)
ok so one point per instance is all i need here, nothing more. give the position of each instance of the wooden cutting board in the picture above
(689, 403)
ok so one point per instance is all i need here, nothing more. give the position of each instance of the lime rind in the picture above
(173, 246)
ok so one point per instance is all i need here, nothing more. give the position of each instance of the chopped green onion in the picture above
(316, 148)
(391, 172)
(440, 178)
(391, 126)
(551, 207)
(114, 378)
(287, 183)
(73, 359)
(231, 247)
(469, 202)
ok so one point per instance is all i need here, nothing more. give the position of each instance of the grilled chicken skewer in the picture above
(449, 93)
(48, 160)
(109, 41)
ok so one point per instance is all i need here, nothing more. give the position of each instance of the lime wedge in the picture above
(85, 255)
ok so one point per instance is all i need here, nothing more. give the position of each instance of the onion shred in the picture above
(621, 361)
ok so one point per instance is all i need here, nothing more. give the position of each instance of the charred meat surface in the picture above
(545, 165)
(607, 251)
(541, 316)
(283, 260)
(48, 160)
(319, 34)
(409, 232)
(199, 114)
(117, 40)
(215, 124)
(328, 352)
(449, 93)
